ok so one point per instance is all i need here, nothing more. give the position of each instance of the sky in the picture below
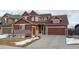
(73, 15)
(55, 7)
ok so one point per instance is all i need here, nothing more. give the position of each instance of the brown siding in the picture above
(16, 27)
(28, 27)
(56, 31)
(25, 14)
(28, 30)
(21, 21)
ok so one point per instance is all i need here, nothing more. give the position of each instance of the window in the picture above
(22, 27)
(5, 20)
(33, 18)
(36, 18)
(45, 18)
(56, 21)
(25, 17)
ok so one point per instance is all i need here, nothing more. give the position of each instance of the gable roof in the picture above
(25, 14)
(22, 21)
(33, 13)
(10, 16)
(7, 15)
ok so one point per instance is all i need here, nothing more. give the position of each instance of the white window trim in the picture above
(36, 18)
(5, 20)
(45, 18)
(33, 18)
(56, 21)
(25, 17)
(23, 26)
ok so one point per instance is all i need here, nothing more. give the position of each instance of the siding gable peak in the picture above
(25, 14)
(33, 13)
(22, 21)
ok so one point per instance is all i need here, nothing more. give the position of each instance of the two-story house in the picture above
(34, 24)
(6, 22)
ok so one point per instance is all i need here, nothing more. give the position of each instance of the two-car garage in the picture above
(56, 30)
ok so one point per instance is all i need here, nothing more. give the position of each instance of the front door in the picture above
(33, 30)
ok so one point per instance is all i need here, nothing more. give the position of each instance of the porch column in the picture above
(46, 30)
(13, 30)
(43, 29)
(36, 29)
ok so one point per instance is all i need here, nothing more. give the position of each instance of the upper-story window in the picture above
(34, 18)
(5, 20)
(25, 17)
(45, 18)
(56, 21)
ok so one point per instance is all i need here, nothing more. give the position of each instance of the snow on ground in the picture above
(3, 36)
(72, 41)
(26, 41)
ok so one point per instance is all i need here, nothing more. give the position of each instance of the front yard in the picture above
(8, 41)
(73, 39)
(18, 42)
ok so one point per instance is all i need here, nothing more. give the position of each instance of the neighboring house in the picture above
(77, 29)
(34, 24)
(6, 22)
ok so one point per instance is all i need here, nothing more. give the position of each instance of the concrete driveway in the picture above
(51, 42)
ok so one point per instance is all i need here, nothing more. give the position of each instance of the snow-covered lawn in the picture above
(72, 41)
(3, 36)
(26, 41)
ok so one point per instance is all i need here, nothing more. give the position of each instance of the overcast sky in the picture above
(73, 15)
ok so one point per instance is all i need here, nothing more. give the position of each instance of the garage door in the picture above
(56, 31)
